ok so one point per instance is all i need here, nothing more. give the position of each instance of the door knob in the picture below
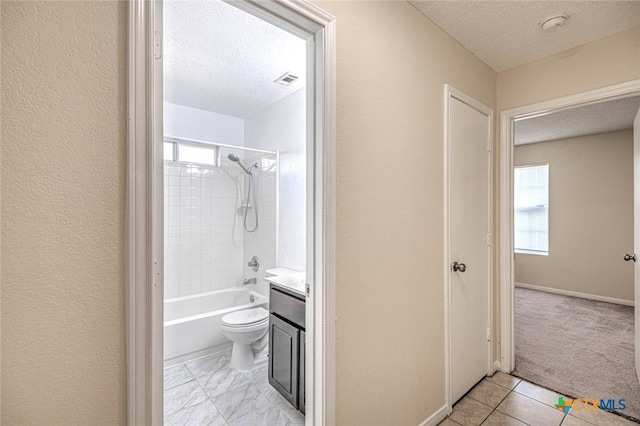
(459, 267)
(629, 257)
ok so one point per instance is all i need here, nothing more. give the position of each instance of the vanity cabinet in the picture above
(286, 345)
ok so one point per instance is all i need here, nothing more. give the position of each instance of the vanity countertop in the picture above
(292, 284)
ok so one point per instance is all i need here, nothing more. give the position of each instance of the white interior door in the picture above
(469, 245)
(636, 233)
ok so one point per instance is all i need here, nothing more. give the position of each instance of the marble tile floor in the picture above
(507, 400)
(206, 391)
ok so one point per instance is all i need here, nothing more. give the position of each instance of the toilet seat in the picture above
(246, 317)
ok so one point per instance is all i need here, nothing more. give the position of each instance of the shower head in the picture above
(236, 159)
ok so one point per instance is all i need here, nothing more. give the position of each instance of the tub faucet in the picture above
(250, 281)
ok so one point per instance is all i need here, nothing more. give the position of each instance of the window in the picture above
(197, 154)
(531, 204)
(184, 152)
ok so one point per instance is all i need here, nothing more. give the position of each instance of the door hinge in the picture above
(489, 240)
(489, 145)
(156, 274)
(489, 334)
(307, 288)
(157, 45)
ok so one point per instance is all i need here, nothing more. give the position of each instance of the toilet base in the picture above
(241, 356)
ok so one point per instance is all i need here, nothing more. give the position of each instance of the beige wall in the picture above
(0, 219)
(63, 193)
(392, 65)
(590, 215)
(602, 63)
(63, 164)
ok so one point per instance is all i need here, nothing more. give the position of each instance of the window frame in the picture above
(530, 251)
(176, 152)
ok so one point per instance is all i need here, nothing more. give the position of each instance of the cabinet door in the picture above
(283, 358)
(301, 398)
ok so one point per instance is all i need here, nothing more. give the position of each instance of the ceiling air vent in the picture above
(286, 79)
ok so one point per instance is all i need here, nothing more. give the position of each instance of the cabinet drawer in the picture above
(287, 307)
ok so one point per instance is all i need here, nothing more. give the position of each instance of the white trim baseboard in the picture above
(496, 367)
(577, 294)
(435, 418)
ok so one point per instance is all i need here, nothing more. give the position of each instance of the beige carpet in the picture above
(580, 348)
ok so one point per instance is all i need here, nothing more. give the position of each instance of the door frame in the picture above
(450, 93)
(506, 249)
(144, 203)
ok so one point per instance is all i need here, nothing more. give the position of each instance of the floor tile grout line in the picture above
(496, 408)
(488, 378)
(550, 390)
(180, 384)
(211, 401)
(208, 397)
(248, 375)
(492, 408)
(512, 390)
(498, 404)
(540, 402)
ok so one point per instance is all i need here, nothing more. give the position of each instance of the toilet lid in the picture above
(246, 316)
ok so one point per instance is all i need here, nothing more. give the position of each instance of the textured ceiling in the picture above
(221, 59)
(587, 120)
(505, 34)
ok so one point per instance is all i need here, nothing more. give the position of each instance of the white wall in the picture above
(191, 123)
(282, 127)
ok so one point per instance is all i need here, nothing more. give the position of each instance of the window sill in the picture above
(535, 253)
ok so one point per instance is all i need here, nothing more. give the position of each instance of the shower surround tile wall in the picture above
(206, 248)
(203, 238)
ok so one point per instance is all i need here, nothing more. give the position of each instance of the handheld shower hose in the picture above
(248, 171)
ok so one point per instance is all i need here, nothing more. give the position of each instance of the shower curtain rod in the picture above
(221, 145)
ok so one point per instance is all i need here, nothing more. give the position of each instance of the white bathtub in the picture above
(192, 323)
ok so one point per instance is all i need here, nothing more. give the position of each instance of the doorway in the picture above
(235, 141)
(145, 278)
(573, 192)
(535, 248)
(506, 250)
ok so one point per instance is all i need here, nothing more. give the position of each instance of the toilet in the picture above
(247, 329)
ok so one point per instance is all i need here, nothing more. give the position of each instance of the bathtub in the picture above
(192, 323)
